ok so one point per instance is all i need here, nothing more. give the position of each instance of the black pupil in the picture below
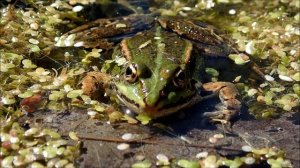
(128, 71)
(181, 76)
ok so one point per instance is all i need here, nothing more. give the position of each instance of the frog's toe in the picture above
(221, 115)
(230, 105)
(226, 110)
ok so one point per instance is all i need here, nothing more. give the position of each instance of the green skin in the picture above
(157, 62)
(164, 66)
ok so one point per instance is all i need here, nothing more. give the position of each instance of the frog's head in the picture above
(157, 77)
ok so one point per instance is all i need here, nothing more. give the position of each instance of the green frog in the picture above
(163, 64)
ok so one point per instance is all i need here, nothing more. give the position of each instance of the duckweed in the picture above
(34, 147)
(268, 35)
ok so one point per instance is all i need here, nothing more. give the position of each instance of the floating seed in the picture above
(269, 78)
(78, 44)
(77, 8)
(92, 113)
(246, 148)
(213, 140)
(162, 159)
(185, 139)
(123, 146)
(285, 78)
(139, 157)
(249, 160)
(69, 41)
(31, 131)
(252, 92)
(219, 136)
(232, 11)
(121, 25)
(14, 140)
(250, 48)
(34, 26)
(33, 41)
(14, 39)
(186, 8)
(202, 155)
(127, 136)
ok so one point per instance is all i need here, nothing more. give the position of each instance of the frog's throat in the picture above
(155, 112)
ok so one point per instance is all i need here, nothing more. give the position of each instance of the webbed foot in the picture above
(229, 107)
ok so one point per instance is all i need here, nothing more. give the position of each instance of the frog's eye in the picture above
(179, 79)
(131, 73)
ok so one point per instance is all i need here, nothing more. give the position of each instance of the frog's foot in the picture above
(94, 84)
(229, 107)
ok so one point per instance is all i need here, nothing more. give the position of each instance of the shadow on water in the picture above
(295, 118)
(193, 118)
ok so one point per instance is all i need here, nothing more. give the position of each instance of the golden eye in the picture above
(131, 73)
(179, 79)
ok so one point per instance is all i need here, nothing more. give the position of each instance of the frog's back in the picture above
(157, 49)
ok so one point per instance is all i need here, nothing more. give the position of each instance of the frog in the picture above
(163, 67)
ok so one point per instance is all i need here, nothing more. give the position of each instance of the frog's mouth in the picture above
(161, 111)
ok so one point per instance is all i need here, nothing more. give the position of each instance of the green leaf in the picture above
(188, 164)
(296, 76)
(34, 48)
(74, 93)
(25, 94)
(143, 164)
(99, 108)
(4, 67)
(28, 64)
(8, 100)
(56, 95)
(212, 72)
(237, 59)
(143, 118)
(73, 136)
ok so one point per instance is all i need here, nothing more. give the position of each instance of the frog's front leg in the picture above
(230, 106)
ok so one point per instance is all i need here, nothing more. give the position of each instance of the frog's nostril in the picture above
(163, 93)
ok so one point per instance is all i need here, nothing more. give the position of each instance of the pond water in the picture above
(42, 69)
